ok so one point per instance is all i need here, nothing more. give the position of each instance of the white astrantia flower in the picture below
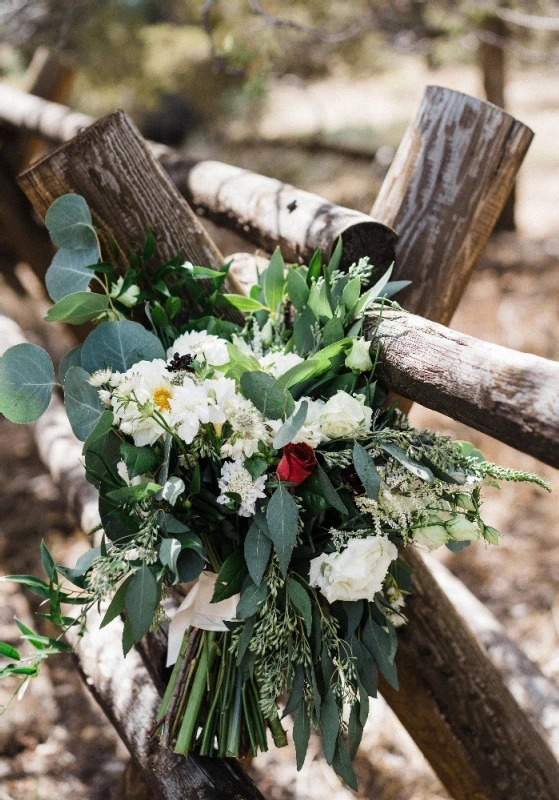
(188, 408)
(105, 397)
(172, 490)
(237, 479)
(345, 417)
(221, 393)
(248, 428)
(311, 432)
(143, 392)
(359, 358)
(129, 298)
(203, 345)
(100, 377)
(278, 363)
(357, 573)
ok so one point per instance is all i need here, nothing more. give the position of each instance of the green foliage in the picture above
(77, 308)
(26, 381)
(257, 550)
(142, 598)
(119, 345)
(70, 271)
(82, 403)
(282, 516)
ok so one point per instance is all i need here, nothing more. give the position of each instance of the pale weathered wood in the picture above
(262, 210)
(270, 213)
(444, 191)
(509, 395)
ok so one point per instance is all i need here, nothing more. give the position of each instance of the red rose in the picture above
(297, 463)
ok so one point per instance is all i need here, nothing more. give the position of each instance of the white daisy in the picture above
(203, 345)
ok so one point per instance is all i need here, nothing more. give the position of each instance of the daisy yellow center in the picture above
(161, 398)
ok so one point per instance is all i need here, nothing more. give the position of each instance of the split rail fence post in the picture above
(443, 193)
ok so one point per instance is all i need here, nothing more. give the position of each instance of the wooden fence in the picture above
(443, 194)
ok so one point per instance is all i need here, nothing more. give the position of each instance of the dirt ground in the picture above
(56, 744)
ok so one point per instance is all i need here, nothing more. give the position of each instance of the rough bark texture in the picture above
(511, 396)
(262, 210)
(444, 192)
(269, 213)
(491, 750)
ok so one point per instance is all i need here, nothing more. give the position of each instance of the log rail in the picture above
(504, 756)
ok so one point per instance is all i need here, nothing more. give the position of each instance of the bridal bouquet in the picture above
(245, 457)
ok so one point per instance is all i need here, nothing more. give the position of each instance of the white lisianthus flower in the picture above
(172, 490)
(129, 298)
(462, 530)
(278, 363)
(345, 417)
(188, 409)
(248, 428)
(100, 377)
(221, 395)
(311, 432)
(357, 573)
(203, 345)
(143, 392)
(237, 479)
(359, 358)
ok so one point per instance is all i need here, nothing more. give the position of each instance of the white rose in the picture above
(345, 417)
(357, 573)
(359, 358)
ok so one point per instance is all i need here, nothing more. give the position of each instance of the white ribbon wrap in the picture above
(197, 611)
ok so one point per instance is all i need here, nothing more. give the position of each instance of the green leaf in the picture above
(83, 406)
(301, 735)
(26, 381)
(365, 665)
(259, 387)
(330, 494)
(241, 302)
(393, 287)
(127, 637)
(134, 494)
(256, 466)
(379, 644)
(244, 640)
(336, 257)
(351, 292)
(142, 597)
(417, 469)
(138, 460)
(298, 374)
(116, 606)
(48, 562)
(230, 577)
(297, 289)
(282, 516)
(71, 271)
(257, 549)
(73, 358)
(300, 599)
(303, 340)
(329, 724)
(297, 688)
(291, 426)
(35, 585)
(251, 600)
(8, 651)
(169, 552)
(69, 223)
(100, 431)
(189, 565)
(365, 468)
(273, 281)
(342, 764)
(119, 345)
(333, 331)
(315, 267)
(366, 299)
(77, 308)
(353, 610)
(149, 245)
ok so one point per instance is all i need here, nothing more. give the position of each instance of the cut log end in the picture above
(372, 239)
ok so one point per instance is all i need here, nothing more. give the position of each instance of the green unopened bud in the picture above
(462, 530)
(465, 501)
(359, 358)
(267, 334)
(490, 534)
(431, 536)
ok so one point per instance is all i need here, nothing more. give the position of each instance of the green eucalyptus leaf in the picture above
(259, 387)
(366, 470)
(83, 406)
(291, 427)
(169, 552)
(282, 516)
(417, 469)
(329, 724)
(119, 345)
(26, 381)
(296, 696)
(257, 550)
(69, 223)
(342, 764)
(333, 331)
(301, 735)
(251, 599)
(70, 271)
(297, 289)
(379, 643)
(300, 599)
(303, 339)
(138, 460)
(77, 308)
(73, 358)
(330, 494)
(142, 597)
(230, 577)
